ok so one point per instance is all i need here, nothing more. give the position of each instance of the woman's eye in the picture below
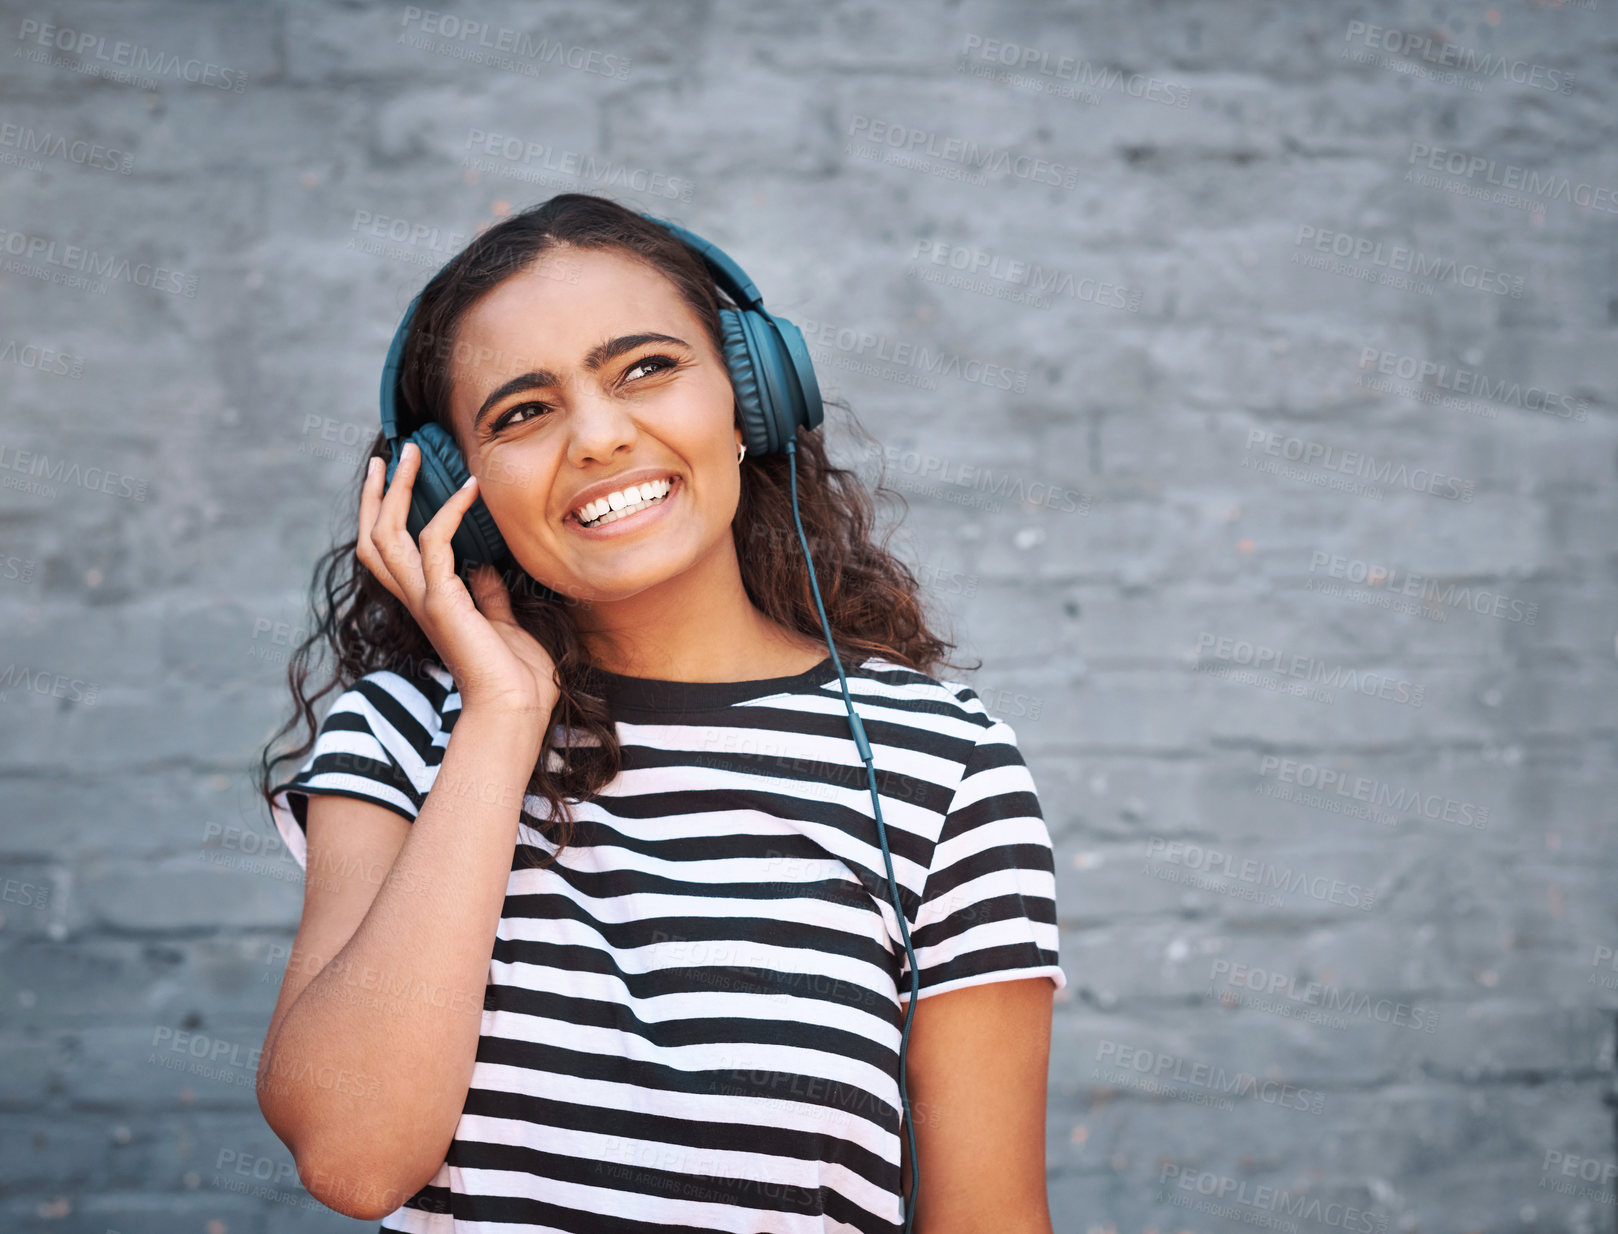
(661, 363)
(651, 364)
(514, 416)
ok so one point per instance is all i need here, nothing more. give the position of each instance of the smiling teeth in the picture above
(614, 506)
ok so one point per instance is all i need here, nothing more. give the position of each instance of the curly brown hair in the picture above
(872, 599)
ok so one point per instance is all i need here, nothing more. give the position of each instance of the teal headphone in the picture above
(777, 394)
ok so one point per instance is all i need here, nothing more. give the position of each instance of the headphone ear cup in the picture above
(783, 396)
(798, 370)
(443, 470)
(738, 357)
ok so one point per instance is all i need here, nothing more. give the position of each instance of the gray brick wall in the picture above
(1269, 470)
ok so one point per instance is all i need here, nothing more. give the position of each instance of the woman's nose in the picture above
(598, 425)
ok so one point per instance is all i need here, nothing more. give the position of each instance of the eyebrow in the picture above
(598, 355)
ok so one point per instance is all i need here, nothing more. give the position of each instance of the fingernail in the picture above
(469, 480)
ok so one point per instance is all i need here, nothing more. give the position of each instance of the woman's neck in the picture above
(698, 626)
(771, 651)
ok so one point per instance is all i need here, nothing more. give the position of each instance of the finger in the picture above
(391, 535)
(364, 546)
(396, 500)
(437, 550)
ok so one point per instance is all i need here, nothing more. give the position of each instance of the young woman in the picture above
(597, 932)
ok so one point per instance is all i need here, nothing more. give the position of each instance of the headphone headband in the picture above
(730, 277)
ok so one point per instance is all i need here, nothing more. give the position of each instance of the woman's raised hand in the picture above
(495, 662)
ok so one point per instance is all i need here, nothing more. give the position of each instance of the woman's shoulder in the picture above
(416, 693)
(929, 694)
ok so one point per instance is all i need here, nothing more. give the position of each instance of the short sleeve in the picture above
(988, 908)
(382, 740)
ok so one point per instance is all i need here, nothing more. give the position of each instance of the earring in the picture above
(742, 452)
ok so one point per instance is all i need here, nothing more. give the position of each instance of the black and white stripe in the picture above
(693, 1017)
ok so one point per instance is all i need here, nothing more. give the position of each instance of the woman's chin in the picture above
(609, 588)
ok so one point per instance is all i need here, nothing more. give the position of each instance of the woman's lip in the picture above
(638, 519)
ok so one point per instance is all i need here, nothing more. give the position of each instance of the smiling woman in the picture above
(603, 900)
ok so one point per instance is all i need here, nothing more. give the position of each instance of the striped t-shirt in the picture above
(692, 1019)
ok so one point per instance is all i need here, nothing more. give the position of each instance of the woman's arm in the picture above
(975, 1073)
(369, 1054)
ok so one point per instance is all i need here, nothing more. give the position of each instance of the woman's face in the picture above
(560, 393)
